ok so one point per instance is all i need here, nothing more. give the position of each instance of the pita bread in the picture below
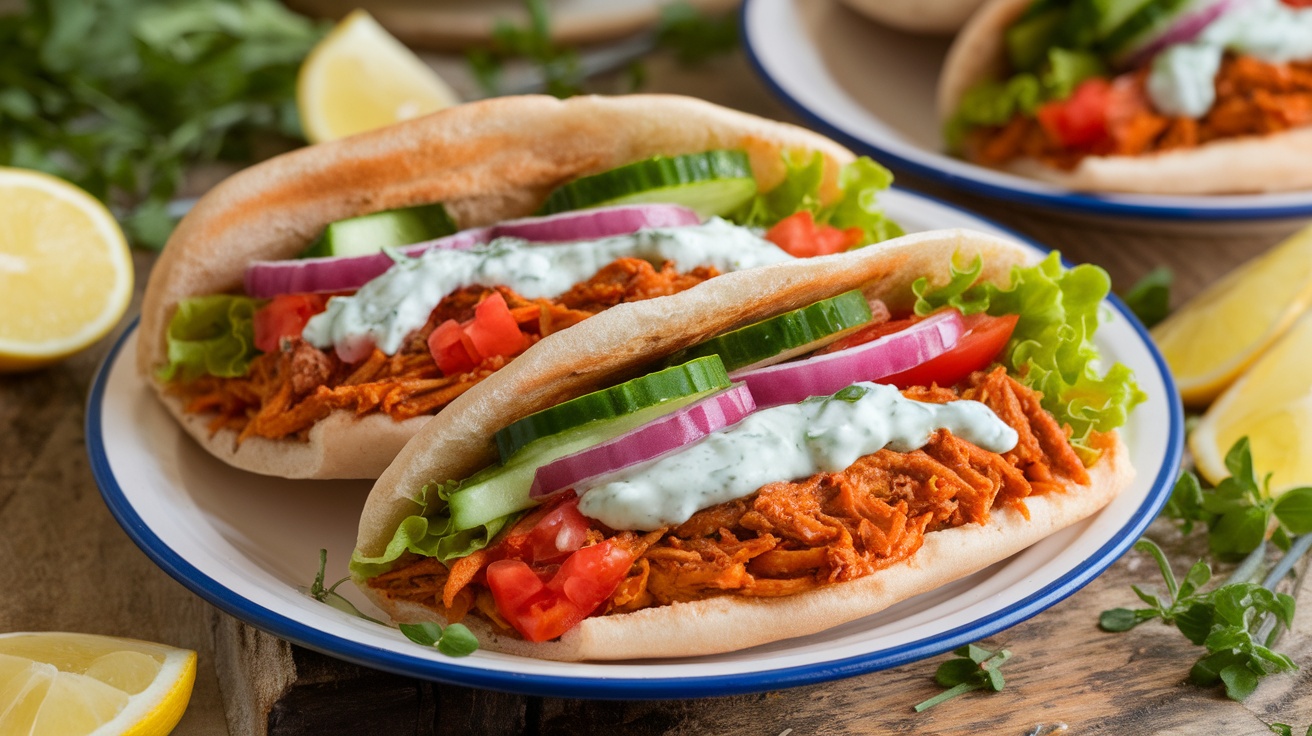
(487, 161)
(617, 344)
(1270, 163)
(917, 16)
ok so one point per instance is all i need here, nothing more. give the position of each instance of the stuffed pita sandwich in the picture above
(1147, 96)
(312, 312)
(765, 455)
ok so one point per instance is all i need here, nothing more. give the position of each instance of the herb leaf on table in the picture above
(1150, 297)
(974, 668)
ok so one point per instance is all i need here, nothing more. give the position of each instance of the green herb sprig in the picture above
(122, 96)
(1284, 729)
(1150, 297)
(1240, 512)
(974, 668)
(1237, 622)
(561, 73)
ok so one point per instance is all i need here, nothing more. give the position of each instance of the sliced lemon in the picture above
(65, 270)
(1272, 405)
(1219, 333)
(359, 78)
(58, 684)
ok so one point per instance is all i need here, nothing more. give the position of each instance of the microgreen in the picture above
(453, 640)
(329, 595)
(1284, 729)
(694, 36)
(561, 73)
(1230, 621)
(974, 668)
(1240, 512)
(1150, 297)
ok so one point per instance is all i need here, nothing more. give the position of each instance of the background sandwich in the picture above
(1152, 96)
(251, 351)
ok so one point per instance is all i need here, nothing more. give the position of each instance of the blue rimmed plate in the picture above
(248, 543)
(872, 88)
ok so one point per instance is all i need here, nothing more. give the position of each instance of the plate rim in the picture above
(604, 688)
(1070, 201)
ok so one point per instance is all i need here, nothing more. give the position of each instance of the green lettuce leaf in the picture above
(860, 181)
(430, 533)
(1052, 349)
(212, 335)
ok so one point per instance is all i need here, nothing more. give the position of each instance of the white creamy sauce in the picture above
(1183, 77)
(782, 443)
(399, 301)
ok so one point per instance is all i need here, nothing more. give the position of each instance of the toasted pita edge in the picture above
(1250, 164)
(730, 623)
(917, 16)
(626, 339)
(488, 161)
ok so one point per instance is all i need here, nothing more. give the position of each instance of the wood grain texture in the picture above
(65, 564)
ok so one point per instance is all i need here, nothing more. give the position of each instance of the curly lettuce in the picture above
(431, 533)
(1051, 350)
(211, 335)
(860, 182)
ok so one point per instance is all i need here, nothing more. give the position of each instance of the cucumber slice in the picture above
(786, 336)
(503, 489)
(654, 389)
(710, 183)
(1141, 28)
(367, 234)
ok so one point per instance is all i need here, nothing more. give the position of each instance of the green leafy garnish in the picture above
(1051, 349)
(122, 96)
(330, 595)
(211, 335)
(561, 73)
(1229, 621)
(975, 668)
(453, 640)
(694, 36)
(1150, 297)
(1284, 729)
(1240, 512)
(431, 533)
(860, 181)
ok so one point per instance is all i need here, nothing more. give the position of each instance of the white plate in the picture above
(247, 543)
(872, 88)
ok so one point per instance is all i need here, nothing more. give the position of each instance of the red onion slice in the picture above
(267, 279)
(824, 375)
(1185, 28)
(648, 442)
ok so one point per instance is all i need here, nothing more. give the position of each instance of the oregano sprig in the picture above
(974, 668)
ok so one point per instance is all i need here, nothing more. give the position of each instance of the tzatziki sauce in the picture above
(399, 301)
(782, 443)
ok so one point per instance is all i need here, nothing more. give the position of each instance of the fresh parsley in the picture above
(693, 36)
(122, 97)
(1150, 297)
(1240, 512)
(1237, 622)
(974, 668)
(561, 73)
(453, 640)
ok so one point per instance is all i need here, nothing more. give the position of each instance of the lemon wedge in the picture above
(1271, 404)
(359, 77)
(1212, 339)
(65, 269)
(59, 684)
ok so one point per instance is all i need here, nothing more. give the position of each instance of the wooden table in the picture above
(66, 565)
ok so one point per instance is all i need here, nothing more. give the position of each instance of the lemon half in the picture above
(59, 684)
(359, 77)
(65, 269)
(1211, 340)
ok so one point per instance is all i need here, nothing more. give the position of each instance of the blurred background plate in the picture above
(456, 24)
(249, 543)
(873, 88)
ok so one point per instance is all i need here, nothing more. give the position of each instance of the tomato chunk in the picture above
(452, 349)
(542, 611)
(979, 345)
(494, 330)
(800, 236)
(1080, 121)
(285, 317)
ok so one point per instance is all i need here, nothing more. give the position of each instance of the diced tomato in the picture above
(1299, 3)
(452, 349)
(494, 330)
(800, 236)
(542, 611)
(285, 316)
(979, 345)
(866, 334)
(562, 531)
(1079, 121)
